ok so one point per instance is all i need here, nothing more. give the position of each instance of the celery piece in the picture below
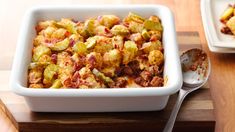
(67, 24)
(108, 20)
(39, 51)
(56, 84)
(136, 27)
(62, 45)
(50, 71)
(150, 46)
(76, 37)
(90, 26)
(134, 17)
(145, 34)
(151, 25)
(120, 30)
(227, 14)
(80, 48)
(101, 76)
(129, 51)
(91, 42)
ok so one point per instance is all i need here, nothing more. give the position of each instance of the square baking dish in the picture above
(95, 100)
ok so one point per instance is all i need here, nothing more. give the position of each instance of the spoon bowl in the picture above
(195, 66)
(196, 69)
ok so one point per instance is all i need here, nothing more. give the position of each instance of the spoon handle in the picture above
(171, 121)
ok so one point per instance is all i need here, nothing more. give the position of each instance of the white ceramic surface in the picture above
(95, 100)
(211, 11)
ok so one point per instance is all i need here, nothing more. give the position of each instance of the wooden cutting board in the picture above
(196, 113)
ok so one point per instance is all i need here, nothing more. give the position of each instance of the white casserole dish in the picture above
(95, 100)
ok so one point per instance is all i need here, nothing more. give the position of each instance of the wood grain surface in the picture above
(197, 111)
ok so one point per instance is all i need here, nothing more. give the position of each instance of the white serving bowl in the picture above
(95, 100)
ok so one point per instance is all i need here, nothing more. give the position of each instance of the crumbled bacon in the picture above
(226, 30)
(127, 71)
(154, 70)
(71, 42)
(119, 82)
(153, 38)
(68, 83)
(67, 34)
(99, 18)
(38, 28)
(146, 75)
(157, 81)
(75, 76)
(92, 61)
(134, 65)
(77, 66)
(144, 83)
(54, 58)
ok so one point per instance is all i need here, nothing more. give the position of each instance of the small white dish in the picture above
(211, 10)
(95, 100)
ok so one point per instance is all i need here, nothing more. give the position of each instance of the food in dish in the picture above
(101, 52)
(228, 19)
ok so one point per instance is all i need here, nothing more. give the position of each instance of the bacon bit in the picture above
(118, 71)
(120, 82)
(140, 81)
(153, 38)
(127, 70)
(51, 42)
(115, 46)
(68, 82)
(223, 21)
(126, 24)
(134, 65)
(71, 42)
(81, 82)
(76, 76)
(154, 70)
(55, 40)
(47, 41)
(108, 35)
(146, 75)
(77, 66)
(54, 58)
(92, 61)
(157, 81)
(38, 29)
(99, 18)
(143, 57)
(55, 75)
(67, 34)
(106, 30)
(75, 21)
(226, 30)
